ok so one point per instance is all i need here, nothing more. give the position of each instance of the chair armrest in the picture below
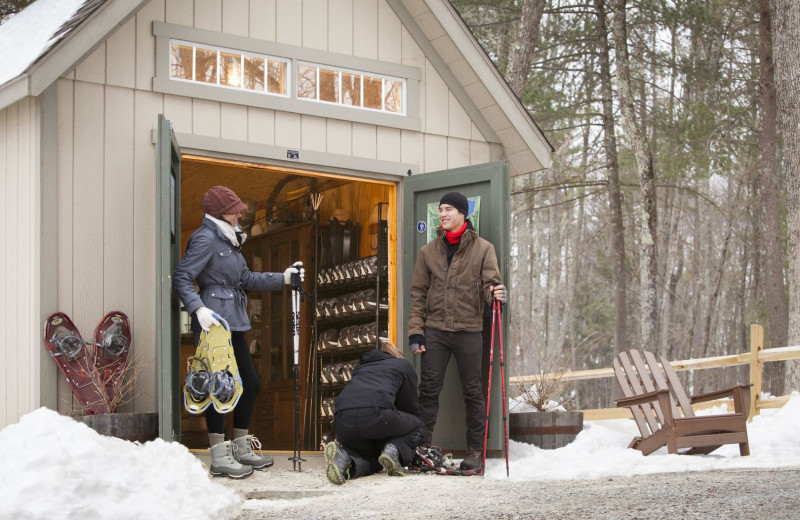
(711, 396)
(640, 399)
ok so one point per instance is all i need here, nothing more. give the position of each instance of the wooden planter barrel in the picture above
(547, 430)
(140, 427)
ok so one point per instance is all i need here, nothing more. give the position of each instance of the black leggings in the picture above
(251, 384)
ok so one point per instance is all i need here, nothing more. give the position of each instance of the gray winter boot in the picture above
(245, 454)
(224, 463)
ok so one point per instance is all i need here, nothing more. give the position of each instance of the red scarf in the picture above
(454, 236)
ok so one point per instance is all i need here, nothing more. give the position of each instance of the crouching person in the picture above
(376, 420)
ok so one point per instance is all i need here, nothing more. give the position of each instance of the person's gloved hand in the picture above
(297, 267)
(205, 317)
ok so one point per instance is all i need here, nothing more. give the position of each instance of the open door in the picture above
(168, 165)
(486, 187)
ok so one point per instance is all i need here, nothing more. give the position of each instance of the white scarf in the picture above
(228, 230)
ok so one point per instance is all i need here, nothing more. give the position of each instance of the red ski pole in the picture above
(488, 393)
(497, 306)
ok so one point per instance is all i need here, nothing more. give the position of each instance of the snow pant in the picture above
(467, 349)
(363, 432)
(251, 384)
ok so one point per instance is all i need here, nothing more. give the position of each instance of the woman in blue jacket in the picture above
(214, 260)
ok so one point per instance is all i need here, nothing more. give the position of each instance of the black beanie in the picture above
(456, 200)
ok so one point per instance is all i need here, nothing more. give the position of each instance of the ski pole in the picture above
(297, 293)
(498, 306)
(488, 391)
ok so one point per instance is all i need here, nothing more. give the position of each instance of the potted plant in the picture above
(539, 416)
(115, 385)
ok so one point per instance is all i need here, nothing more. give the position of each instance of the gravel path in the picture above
(281, 493)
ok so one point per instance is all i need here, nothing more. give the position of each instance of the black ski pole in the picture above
(297, 294)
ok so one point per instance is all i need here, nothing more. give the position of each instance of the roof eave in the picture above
(70, 50)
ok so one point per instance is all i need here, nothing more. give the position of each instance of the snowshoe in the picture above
(112, 340)
(213, 375)
(431, 459)
(64, 343)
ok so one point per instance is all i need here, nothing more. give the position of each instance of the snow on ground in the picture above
(56, 468)
(600, 450)
(29, 33)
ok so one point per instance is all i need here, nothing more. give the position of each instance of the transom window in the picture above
(228, 68)
(351, 88)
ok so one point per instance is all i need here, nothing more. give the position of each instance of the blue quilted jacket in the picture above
(222, 275)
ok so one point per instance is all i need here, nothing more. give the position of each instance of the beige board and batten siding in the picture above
(19, 260)
(107, 111)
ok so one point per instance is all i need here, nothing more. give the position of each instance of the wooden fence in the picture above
(755, 358)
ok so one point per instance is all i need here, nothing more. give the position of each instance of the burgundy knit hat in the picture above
(220, 200)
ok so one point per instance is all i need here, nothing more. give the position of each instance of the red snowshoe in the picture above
(112, 340)
(74, 360)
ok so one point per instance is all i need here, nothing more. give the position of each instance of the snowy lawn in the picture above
(600, 450)
(56, 468)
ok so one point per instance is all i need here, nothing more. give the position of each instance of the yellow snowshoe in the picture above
(213, 375)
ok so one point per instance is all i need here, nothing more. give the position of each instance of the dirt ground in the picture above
(282, 493)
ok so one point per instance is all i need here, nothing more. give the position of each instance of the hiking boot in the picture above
(473, 459)
(245, 454)
(223, 461)
(337, 463)
(390, 460)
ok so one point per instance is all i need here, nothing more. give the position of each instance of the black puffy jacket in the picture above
(383, 381)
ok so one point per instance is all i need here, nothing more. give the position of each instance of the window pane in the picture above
(206, 63)
(393, 96)
(351, 89)
(231, 65)
(254, 73)
(329, 85)
(276, 81)
(306, 82)
(373, 92)
(180, 61)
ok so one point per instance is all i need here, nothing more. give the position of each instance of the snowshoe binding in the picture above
(431, 459)
(112, 340)
(64, 343)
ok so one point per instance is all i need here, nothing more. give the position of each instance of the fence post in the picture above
(756, 344)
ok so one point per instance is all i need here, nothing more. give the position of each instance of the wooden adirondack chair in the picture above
(664, 413)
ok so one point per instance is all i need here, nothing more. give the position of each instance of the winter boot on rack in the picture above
(390, 460)
(223, 461)
(245, 453)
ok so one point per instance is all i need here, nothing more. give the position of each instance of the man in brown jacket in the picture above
(454, 277)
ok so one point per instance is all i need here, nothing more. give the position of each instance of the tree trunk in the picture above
(644, 168)
(519, 65)
(769, 177)
(786, 54)
(614, 192)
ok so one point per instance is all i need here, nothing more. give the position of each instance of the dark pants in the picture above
(363, 432)
(251, 384)
(467, 348)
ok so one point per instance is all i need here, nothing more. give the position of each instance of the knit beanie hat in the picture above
(220, 200)
(457, 200)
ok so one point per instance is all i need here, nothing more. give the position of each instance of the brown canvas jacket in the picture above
(452, 298)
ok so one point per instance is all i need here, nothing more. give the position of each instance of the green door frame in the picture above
(490, 181)
(168, 167)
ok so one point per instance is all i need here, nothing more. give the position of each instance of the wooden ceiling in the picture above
(251, 182)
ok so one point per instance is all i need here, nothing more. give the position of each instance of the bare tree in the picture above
(786, 54)
(769, 180)
(648, 271)
(614, 191)
(519, 66)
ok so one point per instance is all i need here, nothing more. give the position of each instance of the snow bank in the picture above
(56, 468)
(600, 450)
